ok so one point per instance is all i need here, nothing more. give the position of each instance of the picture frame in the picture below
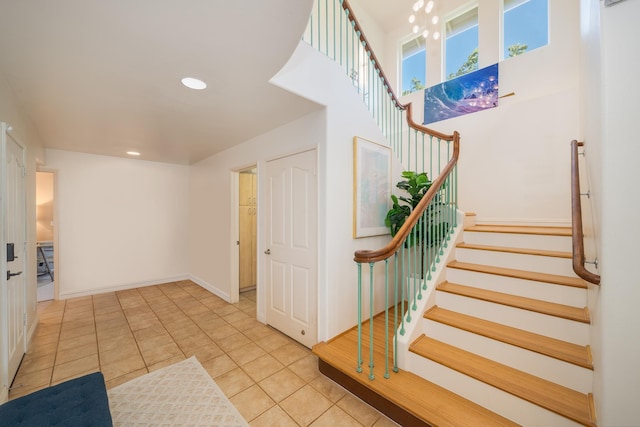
(371, 187)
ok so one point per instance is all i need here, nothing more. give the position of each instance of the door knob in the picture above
(10, 274)
(268, 252)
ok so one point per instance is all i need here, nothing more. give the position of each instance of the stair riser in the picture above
(550, 292)
(551, 326)
(505, 404)
(530, 241)
(537, 263)
(551, 369)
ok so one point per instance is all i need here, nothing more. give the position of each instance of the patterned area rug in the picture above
(182, 394)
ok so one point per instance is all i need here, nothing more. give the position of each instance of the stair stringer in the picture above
(413, 329)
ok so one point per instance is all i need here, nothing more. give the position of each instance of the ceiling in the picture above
(104, 77)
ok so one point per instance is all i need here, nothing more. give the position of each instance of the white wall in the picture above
(515, 159)
(26, 134)
(121, 222)
(616, 321)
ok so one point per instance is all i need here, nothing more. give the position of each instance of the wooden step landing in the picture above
(577, 314)
(405, 397)
(558, 399)
(579, 355)
(523, 251)
(520, 274)
(521, 229)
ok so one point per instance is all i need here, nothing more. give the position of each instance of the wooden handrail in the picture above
(397, 241)
(376, 63)
(576, 220)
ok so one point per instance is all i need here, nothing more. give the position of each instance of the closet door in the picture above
(247, 234)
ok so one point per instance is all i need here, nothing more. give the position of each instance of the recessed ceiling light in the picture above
(133, 153)
(192, 83)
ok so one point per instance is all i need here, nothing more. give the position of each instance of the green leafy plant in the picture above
(416, 186)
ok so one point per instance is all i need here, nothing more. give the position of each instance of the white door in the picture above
(13, 275)
(291, 250)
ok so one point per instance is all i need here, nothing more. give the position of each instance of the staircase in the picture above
(508, 336)
(510, 328)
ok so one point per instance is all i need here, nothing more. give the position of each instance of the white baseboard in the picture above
(214, 290)
(122, 287)
(539, 222)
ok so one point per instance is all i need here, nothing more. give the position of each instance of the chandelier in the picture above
(422, 18)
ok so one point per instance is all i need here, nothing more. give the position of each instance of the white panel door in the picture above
(13, 278)
(291, 250)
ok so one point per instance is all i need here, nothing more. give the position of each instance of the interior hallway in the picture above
(271, 379)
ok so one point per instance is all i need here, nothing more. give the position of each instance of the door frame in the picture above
(234, 290)
(5, 131)
(56, 264)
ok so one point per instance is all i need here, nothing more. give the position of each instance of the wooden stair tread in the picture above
(578, 314)
(520, 274)
(521, 229)
(424, 399)
(562, 350)
(556, 398)
(540, 252)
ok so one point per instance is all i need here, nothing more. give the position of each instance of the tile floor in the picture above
(271, 379)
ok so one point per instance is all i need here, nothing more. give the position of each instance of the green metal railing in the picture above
(407, 262)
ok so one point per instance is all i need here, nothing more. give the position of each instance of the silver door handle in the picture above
(268, 252)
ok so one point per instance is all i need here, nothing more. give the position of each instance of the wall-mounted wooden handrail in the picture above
(397, 241)
(576, 220)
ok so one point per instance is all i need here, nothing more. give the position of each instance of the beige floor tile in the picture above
(234, 381)
(110, 324)
(42, 350)
(306, 368)
(385, 422)
(165, 363)
(305, 405)
(205, 317)
(25, 381)
(247, 324)
(45, 339)
(335, 416)
(273, 341)
(48, 330)
(75, 368)
(77, 342)
(274, 417)
(195, 308)
(66, 334)
(126, 377)
(232, 342)
(225, 310)
(221, 332)
(142, 322)
(75, 353)
(150, 332)
(259, 332)
(110, 315)
(149, 343)
(19, 392)
(32, 364)
(185, 332)
(358, 409)
(214, 302)
(262, 367)
(289, 353)
(236, 317)
(158, 354)
(75, 324)
(117, 353)
(328, 388)
(246, 353)
(124, 340)
(105, 334)
(281, 384)
(219, 365)
(121, 367)
(252, 402)
(206, 352)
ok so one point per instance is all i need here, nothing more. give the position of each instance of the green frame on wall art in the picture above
(371, 187)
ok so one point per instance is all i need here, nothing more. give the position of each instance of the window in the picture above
(526, 26)
(461, 44)
(413, 65)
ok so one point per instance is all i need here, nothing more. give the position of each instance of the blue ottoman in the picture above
(81, 402)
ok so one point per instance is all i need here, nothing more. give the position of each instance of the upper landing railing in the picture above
(407, 262)
(576, 220)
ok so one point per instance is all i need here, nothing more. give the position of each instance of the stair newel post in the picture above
(371, 293)
(359, 368)
(386, 318)
(395, 313)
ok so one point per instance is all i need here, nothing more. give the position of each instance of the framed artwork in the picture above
(472, 92)
(371, 187)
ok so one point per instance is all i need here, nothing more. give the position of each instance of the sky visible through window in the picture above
(525, 22)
